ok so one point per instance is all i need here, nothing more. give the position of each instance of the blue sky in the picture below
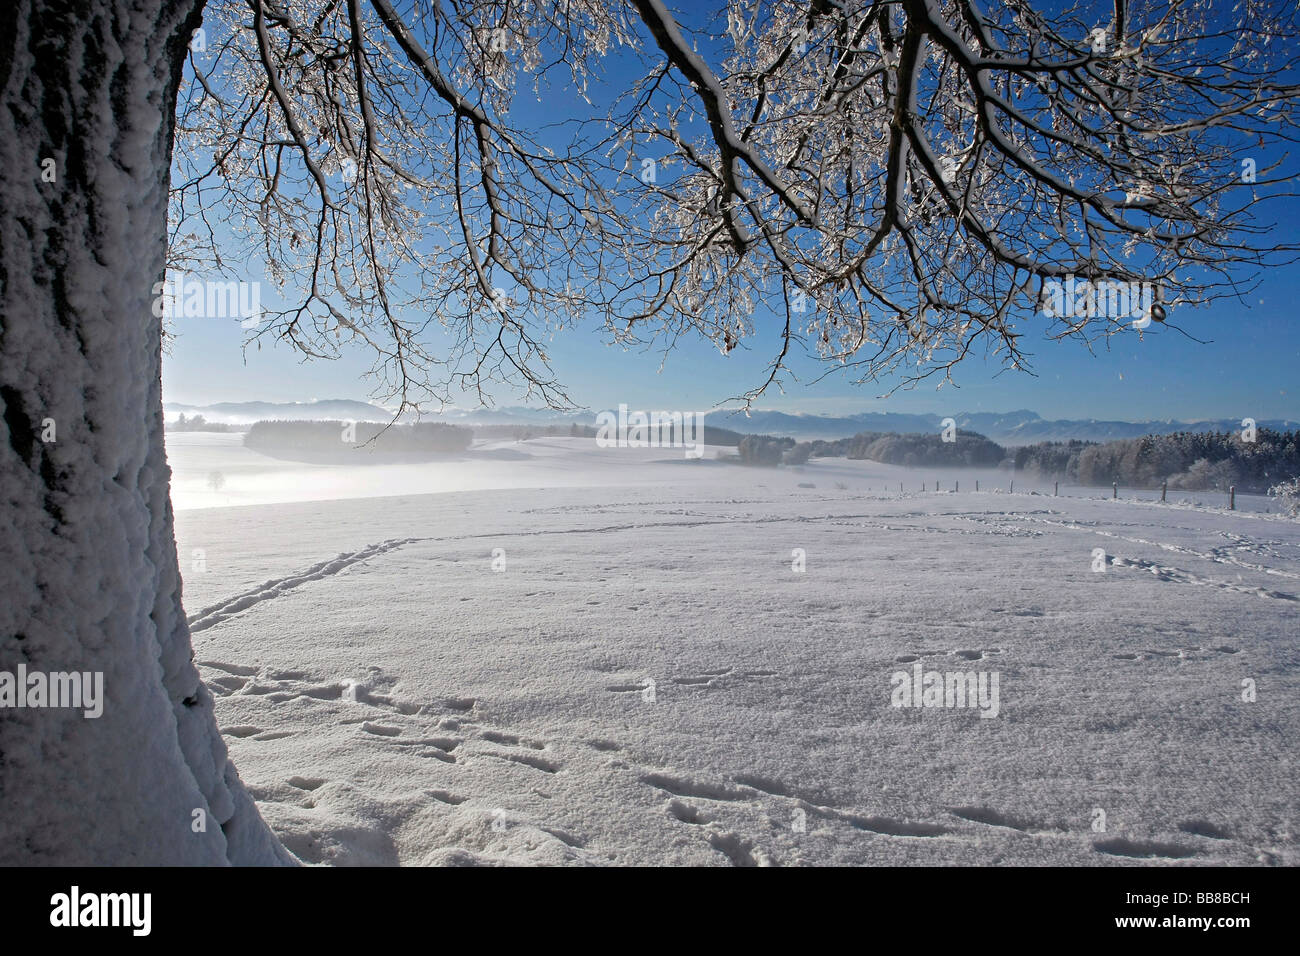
(1249, 367)
(1246, 368)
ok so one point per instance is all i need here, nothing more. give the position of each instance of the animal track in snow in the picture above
(1155, 654)
(1204, 828)
(442, 796)
(1143, 849)
(229, 683)
(242, 670)
(626, 688)
(216, 613)
(766, 784)
(703, 678)
(544, 764)
(686, 813)
(891, 827)
(685, 787)
(1179, 576)
(241, 730)
(510, 740)
(990, 817)
(735, 848)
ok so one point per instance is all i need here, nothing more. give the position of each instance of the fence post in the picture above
(1164, 489)
(1013, 487)
(1114, 489)
(977, 484)
(956, 486)
(1232, 497)
(1056, 488)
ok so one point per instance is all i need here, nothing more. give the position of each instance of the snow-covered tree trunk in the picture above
(88, 564)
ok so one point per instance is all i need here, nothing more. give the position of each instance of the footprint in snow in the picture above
(1204, 828)
(687, 813)
(241, 730)
(1143, 849)
(510, 740)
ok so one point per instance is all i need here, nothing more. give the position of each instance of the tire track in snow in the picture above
(216, 613)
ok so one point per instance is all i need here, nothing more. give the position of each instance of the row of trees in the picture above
(1191, 461)
(528, 432)
(197, 423)
(1051, 459)
(712, 435)
(768, 452)
(915, 450)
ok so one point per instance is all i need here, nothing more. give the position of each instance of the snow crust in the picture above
(391, 699)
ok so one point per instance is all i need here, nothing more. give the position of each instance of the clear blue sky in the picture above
(1248, 367)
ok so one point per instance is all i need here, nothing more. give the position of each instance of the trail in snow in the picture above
(216, 613)
(663, 687)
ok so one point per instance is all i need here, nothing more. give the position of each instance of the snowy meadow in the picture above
(546, 652)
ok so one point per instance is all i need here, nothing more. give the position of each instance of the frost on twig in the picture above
(887, 185)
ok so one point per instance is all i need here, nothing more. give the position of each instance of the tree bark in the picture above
(88, 567)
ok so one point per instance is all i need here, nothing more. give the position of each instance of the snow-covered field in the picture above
(647, 679)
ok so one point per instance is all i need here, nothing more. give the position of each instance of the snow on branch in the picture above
(891, 186)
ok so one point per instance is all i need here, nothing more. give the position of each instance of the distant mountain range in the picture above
(1021, 427)
(245, 413)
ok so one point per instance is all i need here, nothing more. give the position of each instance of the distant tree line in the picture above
(337, 442)
(197, 423)
(526, 432)
(926, 450)
(712, 436)
(1052, 459)
(915, 450)
(767, 451)
(1189, 461)
(912, 450)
